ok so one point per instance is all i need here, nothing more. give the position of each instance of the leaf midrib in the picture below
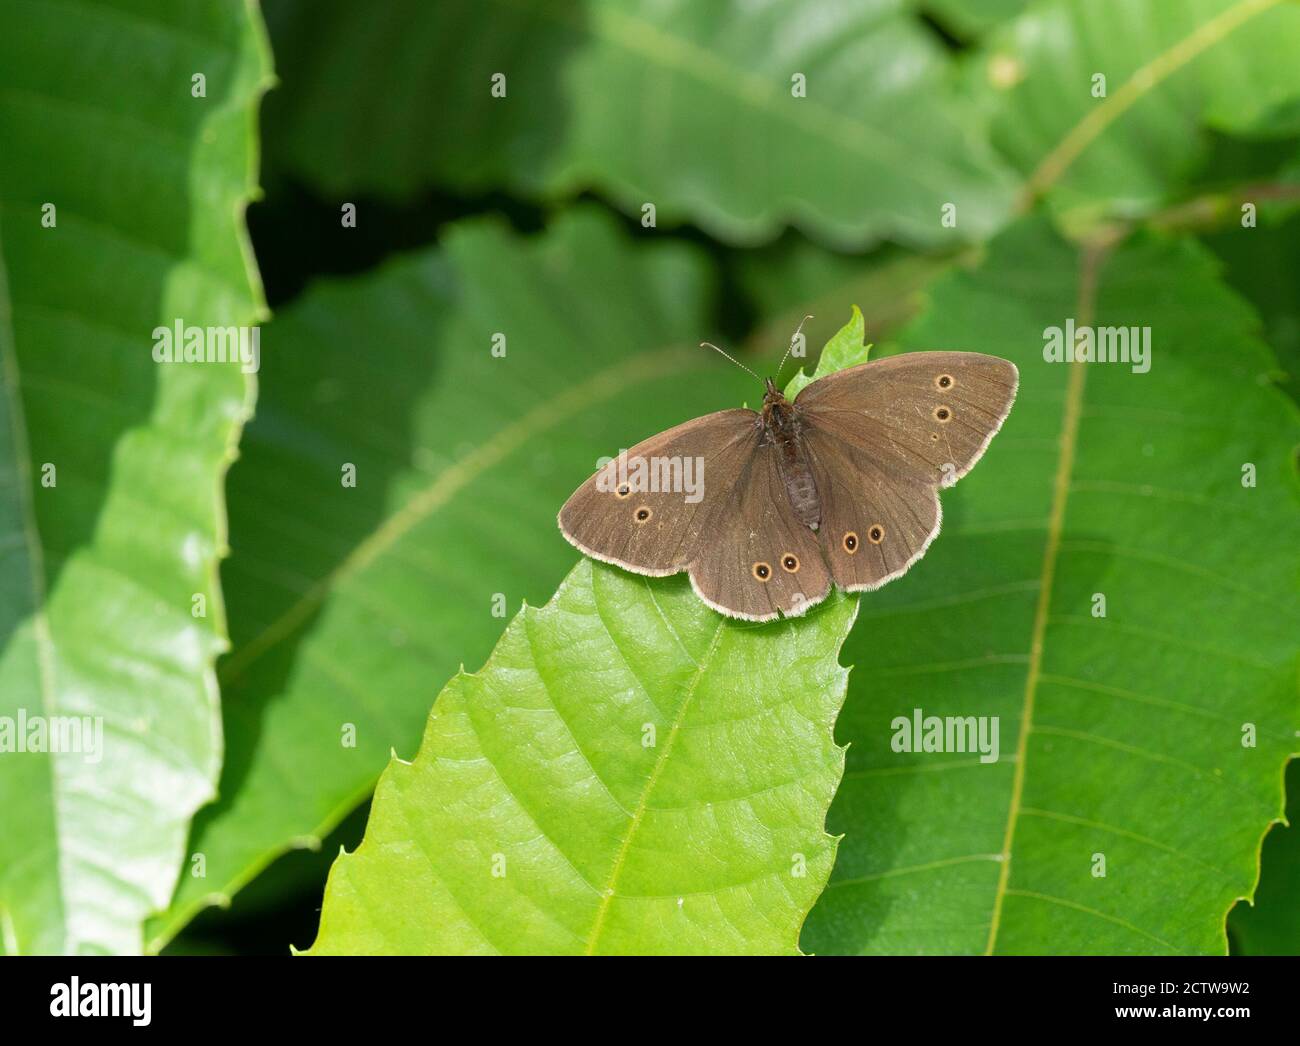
(634, 825)
(1090, 263)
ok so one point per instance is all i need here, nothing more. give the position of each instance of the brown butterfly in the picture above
(839, 485)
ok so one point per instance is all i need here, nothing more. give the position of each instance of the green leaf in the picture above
(1119, 735)
(350, 605)
(1171, 72)
(1271, 926)
(630, 772)
(111, 515)
(1264, 267)
(686, 106)
(847, 349)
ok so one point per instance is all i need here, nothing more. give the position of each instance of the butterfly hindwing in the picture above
(758, 558)
(874, 526)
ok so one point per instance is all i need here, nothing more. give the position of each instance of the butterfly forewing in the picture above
(924, 416)
(659, 532)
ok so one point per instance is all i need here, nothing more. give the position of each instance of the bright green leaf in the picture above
(847, 349)
(120, 210)
(1123, 735)
(630, 772)
(350, 605)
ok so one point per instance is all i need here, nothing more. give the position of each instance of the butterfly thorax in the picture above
(782, 429)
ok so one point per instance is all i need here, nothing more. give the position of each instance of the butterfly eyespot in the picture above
(642, 514)
(876, 534)
(790, 563)
(942, 414)
(944, 381)
(850, 542)
(762, 571)
(623, 492)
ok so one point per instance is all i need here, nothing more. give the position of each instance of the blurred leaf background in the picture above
(949, 167)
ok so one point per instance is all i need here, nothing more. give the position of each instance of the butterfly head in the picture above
(778, 412)
(771, 394)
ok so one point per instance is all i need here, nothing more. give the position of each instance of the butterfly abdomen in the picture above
(782, 429)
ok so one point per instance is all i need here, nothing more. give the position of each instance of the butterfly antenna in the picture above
(793, 338)
(710, 345)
